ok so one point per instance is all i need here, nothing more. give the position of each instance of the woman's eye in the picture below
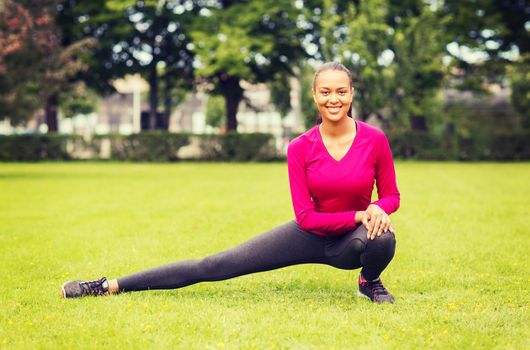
(325, 93)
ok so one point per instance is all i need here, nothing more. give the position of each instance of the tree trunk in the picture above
(153, 96)
(167, 102)
(233, 94)
(50, 112)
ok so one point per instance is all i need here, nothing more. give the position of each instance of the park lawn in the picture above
(460, 275)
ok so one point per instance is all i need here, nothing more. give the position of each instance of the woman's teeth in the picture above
(333, 109)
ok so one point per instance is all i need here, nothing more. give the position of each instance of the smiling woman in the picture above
(332, 168)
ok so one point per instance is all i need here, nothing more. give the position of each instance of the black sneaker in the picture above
(375, 291)
(77, 289)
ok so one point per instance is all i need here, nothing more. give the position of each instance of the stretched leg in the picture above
(282, 246)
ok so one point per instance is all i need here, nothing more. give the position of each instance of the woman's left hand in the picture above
(376, 221)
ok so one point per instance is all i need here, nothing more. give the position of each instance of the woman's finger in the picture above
(375, 228)
(387, 223)
(384, 225)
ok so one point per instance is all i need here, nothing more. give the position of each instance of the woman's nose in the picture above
(333, 97)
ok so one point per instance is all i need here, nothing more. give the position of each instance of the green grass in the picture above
(460, 275)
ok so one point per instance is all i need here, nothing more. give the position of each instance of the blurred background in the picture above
(159, 80)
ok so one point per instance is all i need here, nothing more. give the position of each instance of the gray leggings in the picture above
(281, 246)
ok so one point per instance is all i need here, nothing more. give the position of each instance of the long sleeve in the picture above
(306, 214)
(385, 176)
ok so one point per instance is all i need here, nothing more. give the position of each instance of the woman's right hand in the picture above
(375, 220)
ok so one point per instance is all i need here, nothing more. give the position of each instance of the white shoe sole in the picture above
(359, 294)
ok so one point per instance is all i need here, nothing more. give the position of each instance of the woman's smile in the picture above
(334, 109)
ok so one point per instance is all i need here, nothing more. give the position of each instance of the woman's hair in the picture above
(332, 66)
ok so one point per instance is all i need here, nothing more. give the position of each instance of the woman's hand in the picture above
(376, 221)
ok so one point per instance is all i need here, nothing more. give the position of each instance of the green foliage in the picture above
(28, 45)
(394, 48)
(395, 54)
(498, 145)
(239, 147)
(419, 70)
(520, 85)
(109, 26)
(17, 94)
(479, 24)
(369, 37)
(124, 28)
(280, 89)
(215, 111)
(419, 144)
(492, 31)
(151, 146)
(36, 62)
(246, 40)
(510, 146)
(37, 147)
(308, 108)
(78, 100)
(160, 146)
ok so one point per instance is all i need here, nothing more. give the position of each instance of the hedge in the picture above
(500, 146)
(152, 146)
(38, 147)
(162, 146)
(155, 146)
(238, 147)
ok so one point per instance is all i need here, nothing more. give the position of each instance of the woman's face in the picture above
(333, 94)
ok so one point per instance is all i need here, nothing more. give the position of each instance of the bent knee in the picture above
(386, 240)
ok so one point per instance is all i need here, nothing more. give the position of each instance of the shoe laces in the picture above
(94, 287)
(377, 287)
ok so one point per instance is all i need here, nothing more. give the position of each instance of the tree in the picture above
(20, 96)
(394, 50)
(246, 40)
(34, 66)
(490, 26)
(78, 100)
(161, 33)
(145, 37)
(484, 38)
(419, 71)
(367, 51)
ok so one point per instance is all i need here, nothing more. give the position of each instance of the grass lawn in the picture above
(460, 275)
